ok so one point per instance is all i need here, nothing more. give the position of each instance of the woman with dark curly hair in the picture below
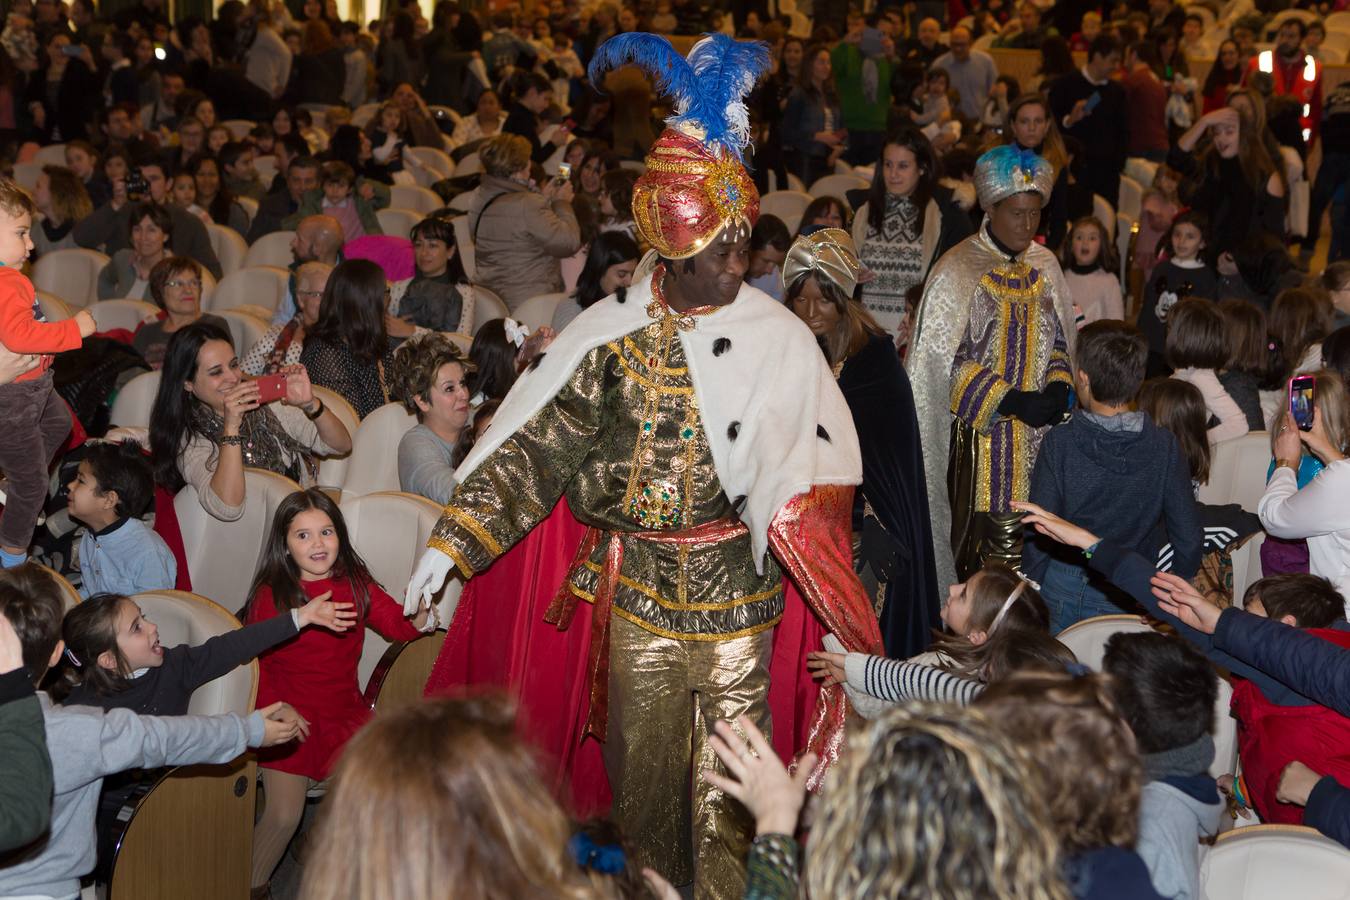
(431, 379)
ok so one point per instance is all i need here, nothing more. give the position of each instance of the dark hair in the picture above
(526, 80)
(1336, 352)
(470, 435)
(90, 630)
(1219, 76)
(1336, 277)
(1179, 407)
(1186, 217)
(917, 143)
(1056, 59)
(1313, 601)
(1114, 356)
(336, 172)
(1103, 44)
(495, 358)
(1165, 688)
(828, 94)
(1244, 331)
(123, 468)
(435, 228)
(230, 153)
(1146, 51)
(345, 146)
(1196, 337)
(1106, 252)
(819, 207)
(156, 213)
(278, 570)
(219, 208)
(172, 424)
(1299, 318)
(351, 312)
(167, 268)
(31, 600)
(617, 184)
(1297, 23)
(416, 362)
(610, 248)
(296, 146)
(770, 231)
(609, 161)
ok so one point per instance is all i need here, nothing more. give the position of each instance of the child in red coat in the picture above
(307, 555)
(35, 419)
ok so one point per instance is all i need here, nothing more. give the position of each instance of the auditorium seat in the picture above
(333, 469)
(131, 407)
(71, 274)
(272, 249)
(537, 312)
(373, 464)
(1265, 861)
(229, 247)
(127, 314)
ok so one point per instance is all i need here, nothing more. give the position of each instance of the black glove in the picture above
(882, 551)
(1057, 400)
(1029, 406)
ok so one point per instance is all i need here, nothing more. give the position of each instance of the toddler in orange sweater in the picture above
(35, 420)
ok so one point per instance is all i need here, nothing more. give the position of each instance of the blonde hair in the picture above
(70, 199)
(503, 155)
(442, 799)
(1329, 398)
(931, 801)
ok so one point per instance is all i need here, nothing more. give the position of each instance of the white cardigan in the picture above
(1319, 513)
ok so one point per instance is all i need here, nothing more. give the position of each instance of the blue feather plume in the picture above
(708, 89)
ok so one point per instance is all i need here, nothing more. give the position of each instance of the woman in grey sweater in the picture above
(431, 380)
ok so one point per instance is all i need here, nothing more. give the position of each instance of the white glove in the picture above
(431, 571)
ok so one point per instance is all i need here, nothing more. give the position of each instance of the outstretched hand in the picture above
(1052, 526)
(432, 570)
(1177, 597)
(829, 667)
(322, 611)
(758, 777)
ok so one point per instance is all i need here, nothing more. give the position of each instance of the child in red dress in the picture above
(307, 554)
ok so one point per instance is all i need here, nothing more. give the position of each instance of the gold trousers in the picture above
(664, 696)
(977, 537)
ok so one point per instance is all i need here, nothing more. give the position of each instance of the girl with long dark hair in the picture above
(349, 349)
(610, 263)
(307, 556)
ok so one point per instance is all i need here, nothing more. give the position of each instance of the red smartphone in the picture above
(569, 123)
(1302, 393)
(270, 388)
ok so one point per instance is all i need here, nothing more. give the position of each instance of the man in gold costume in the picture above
(991, 366)
(695, 428)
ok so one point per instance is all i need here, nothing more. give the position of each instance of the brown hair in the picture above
(1253, 156)
(1331, 402)
(90, 630)
(31, 600)
(70, 199)
(1336, 277)
(14, 200)
(1107, 257)
(1299, 318)
(1179, 407)
(336, 172)
(1195, 335)
(1244, 331)
(442, 767)
(167, 268)
(503, 155)
(315, 37)
(1084, 756)
(1053, 150)
(416, 363)
(853, 318)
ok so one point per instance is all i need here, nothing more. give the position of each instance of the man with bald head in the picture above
(317, 239)
(971, 72)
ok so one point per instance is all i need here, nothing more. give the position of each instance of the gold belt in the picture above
(563, 608)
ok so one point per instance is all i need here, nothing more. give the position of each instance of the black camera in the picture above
(137, 187)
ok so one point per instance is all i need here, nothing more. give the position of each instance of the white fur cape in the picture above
(769, 386)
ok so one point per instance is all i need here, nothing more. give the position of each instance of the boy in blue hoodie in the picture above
(1112, 471)
(1166, 690)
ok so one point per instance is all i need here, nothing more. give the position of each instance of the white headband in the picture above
(1012, 598)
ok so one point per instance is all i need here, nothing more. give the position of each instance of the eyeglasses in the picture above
(309, 293)
(194, 283)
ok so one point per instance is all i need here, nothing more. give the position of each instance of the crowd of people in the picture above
(680, 619)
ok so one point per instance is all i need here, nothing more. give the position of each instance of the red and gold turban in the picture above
(689, 194)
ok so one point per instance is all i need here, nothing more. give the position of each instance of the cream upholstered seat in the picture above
(51, 155)
(488, 306)
(131, 408)
(1246, 565)
(373, 464)
(163, 851)
(411, 196)
(71, 274)
(438, 161)
(127, 314)
(250, 207)
(362, 115)
(389, 530)
(1237, 471)
(245, 329)
(786, 205)
(184, 618)
(398, 222)
(464, 242)
(333, 469)
(260, 286)
(223, 557)
(1269, 861)
(272, 249)
(26, 175)
(69, 596)
(229, 247)
(238, 128)
(537, 312)
(469, 165)
(1131, 198)
(54, 309)
(837, 185)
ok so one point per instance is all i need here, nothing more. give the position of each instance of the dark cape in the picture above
(878, 394)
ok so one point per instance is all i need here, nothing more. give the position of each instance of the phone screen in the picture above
(1302, 391)
(1092, 101)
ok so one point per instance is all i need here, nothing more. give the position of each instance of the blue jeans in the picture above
(1071, 596)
